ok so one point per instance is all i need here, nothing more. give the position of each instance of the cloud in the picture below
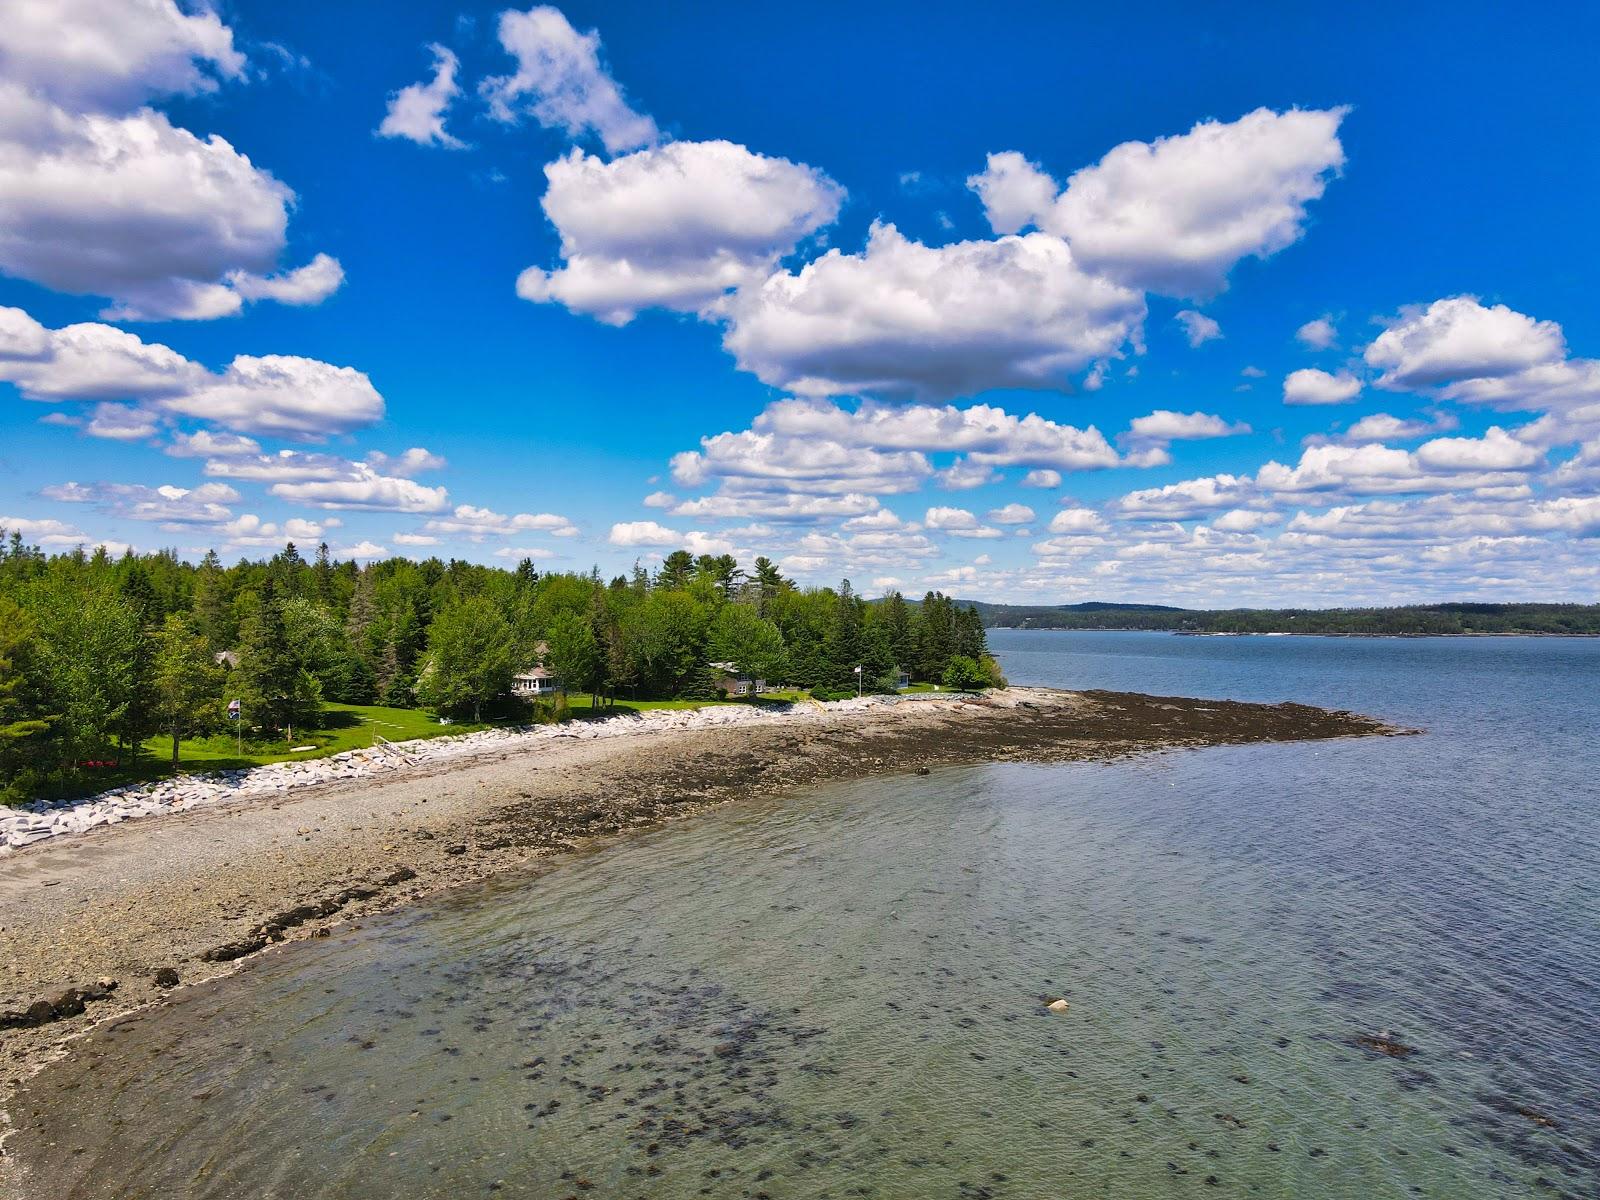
(958, 522)
(251, 530)
(1373, 469)
(44, 532)
(755, 461)
(413, 462)
(560, 82)
(675, 226)
(1164, 425)
(1308, 385)
(1042, 479)
(286, 466)
(89, 362)
(1496, 450)
(362, 551)
(173, 505)
(1459, 339)
(1011, 514)
(1014, 191)
(1242, 520)
(1173, 216)
(1382, 427)
(1317, 334)
(363, 488)
(643, 533)
(1198, 327)
(204, 443)
(906, 319)
(965, 474)
(1077, 520)
(104, 197)
(784, 507)
(1188, 498)
(122, 423)
(417, 539)
(307, 285)
(111, 53)
(281, 395)
(477, 522)
(285, 396)
(521, 552)
(989, 436)
(416, 112)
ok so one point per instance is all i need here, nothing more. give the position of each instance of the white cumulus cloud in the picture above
(674, 226)
(1173, 216)
(560, 82)
(1309, 385)
(417, 112)
(932, 323)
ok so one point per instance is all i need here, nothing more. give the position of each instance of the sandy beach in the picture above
(192, 894)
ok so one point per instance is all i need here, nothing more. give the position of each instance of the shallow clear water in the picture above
(841, 993)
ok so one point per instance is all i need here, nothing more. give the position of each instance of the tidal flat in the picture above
(193, 894)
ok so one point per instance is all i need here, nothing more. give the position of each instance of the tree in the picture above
(675, 571)
(666, 635)
(275, 689)
(754, 647)
(900, 631)
(469, 657)
(188, 683)
(964, 674)
(574, 656)
(89, 653)
(21, 722)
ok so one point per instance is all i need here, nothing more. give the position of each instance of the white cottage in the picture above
(536, 680)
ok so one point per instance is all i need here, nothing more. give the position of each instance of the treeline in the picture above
(1422, 620)
(98, 654)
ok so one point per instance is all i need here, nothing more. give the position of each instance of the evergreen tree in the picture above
(275, 689)
(675, 571)
(212, 611)
(22, 723)
(187, 683)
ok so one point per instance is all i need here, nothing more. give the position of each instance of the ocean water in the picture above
(841, 992)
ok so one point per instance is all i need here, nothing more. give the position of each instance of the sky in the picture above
(1043, 303)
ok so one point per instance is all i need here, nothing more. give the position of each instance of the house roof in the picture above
(533, 673)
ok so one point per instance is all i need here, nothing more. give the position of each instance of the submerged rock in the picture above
(1384, 1045)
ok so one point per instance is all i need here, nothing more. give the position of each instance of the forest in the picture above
(99, 654)
(1419, 620)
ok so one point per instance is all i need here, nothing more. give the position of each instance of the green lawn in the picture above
(357, 727)
(346, 727)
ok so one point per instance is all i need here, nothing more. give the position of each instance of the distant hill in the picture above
(1406, 620)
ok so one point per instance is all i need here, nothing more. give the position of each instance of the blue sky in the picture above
(892, 293)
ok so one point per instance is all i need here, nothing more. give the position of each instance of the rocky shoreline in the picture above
(99, 923)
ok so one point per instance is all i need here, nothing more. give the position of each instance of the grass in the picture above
(345, 727)
(358, 726)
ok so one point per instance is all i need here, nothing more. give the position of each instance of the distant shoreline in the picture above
(1278, 632)
(199, 891)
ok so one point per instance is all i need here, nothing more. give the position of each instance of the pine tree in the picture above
(275, 690)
